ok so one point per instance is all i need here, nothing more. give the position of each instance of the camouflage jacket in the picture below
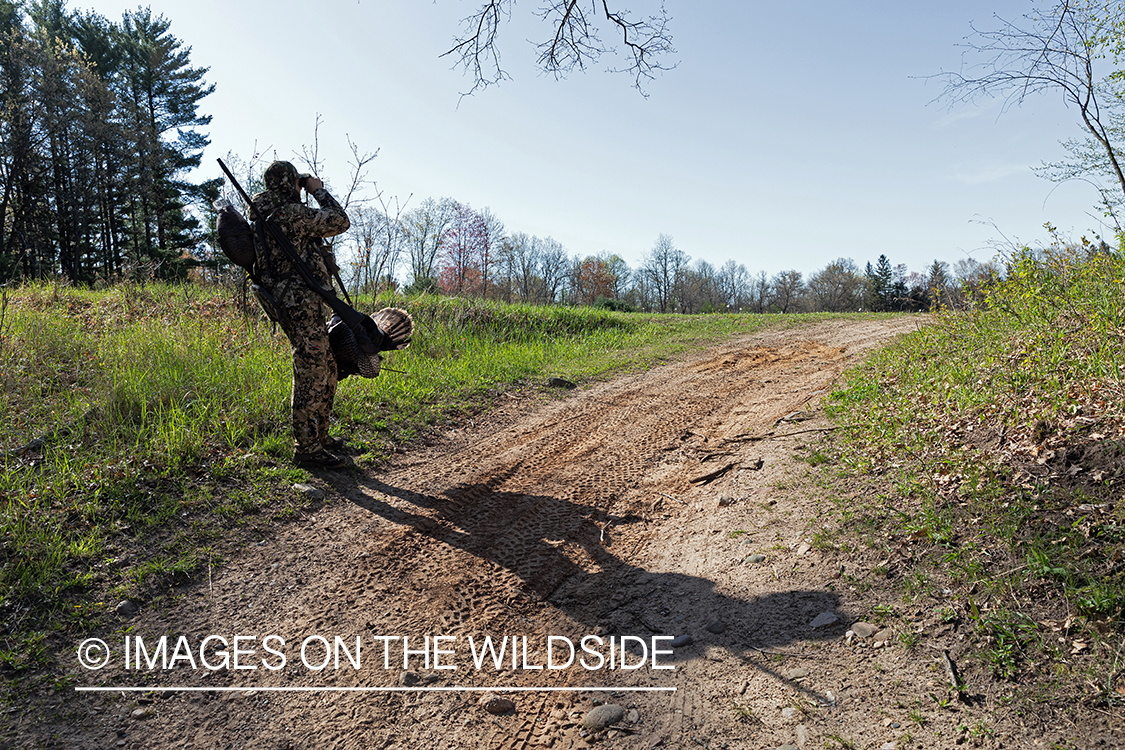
(304, 226)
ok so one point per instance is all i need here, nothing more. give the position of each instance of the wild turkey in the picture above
(397, 326)
(390, 329)
(236, 238)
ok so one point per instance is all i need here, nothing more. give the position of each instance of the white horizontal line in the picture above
(251, 688)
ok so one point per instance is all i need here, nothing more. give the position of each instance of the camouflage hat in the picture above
(281, 177)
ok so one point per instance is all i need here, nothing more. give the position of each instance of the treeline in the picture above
(97, 131)
(448, 247)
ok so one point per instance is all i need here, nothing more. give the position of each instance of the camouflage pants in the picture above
(314, 367)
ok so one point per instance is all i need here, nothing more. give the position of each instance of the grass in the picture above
(746, 713)
(160, 421)
(1002, 429)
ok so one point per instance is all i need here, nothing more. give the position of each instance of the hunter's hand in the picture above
(313, 183)
(330, 263)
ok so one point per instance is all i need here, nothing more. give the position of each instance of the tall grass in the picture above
(126, 390)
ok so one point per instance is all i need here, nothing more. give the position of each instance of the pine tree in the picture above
(159, 93)
(881, 281)
(95, 37)
(17, 105)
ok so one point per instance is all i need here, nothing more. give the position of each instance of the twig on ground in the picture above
(715, 454)
(604, 528)
(707, 478)
(951, 672)
(794, 416)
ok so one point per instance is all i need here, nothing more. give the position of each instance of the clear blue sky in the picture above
(790, 134)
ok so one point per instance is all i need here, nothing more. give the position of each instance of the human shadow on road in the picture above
(561, 555)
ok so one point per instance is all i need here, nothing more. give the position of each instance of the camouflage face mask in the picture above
(281, 178)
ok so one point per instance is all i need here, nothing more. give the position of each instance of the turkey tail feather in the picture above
(397, 327)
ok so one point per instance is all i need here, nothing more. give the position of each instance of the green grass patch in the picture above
(1003, 430)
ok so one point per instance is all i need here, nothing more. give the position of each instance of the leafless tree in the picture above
(734, 280)
(641, 293)
(352, 198)
(553, 268)
(379, 236)
(621, 273)
(1058, 49)
(838, 287)
(574, 40)
(310, 155)
(706, 294)
(787, 290)
(572, 289)
(760, 292)
(973, 280)
(493, 242)
(523, 257)
(504, 269)
(664, 266)
(424, 227)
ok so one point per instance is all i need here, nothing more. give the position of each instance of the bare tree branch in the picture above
(574, 42)
(1057, 50)
(359, 170)
(652, 39)
(311, 155)
(476, 51)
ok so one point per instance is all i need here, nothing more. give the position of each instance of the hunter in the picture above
(300, 310)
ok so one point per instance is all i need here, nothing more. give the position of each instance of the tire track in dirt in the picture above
(544, 525)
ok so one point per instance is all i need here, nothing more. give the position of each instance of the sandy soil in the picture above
(562, 517)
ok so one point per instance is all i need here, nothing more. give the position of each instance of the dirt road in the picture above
(567, 518)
